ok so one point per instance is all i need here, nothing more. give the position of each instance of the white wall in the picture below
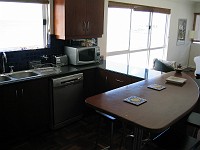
(181, 9)
(197, 8)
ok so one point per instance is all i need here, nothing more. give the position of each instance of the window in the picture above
(197, 27)
(23, 25)
(136, 34)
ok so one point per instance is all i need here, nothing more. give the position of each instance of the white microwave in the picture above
(82, 55)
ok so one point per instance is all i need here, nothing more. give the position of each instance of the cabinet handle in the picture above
(16, 93)
(88, 25)
(119, 81)
(22, 92)
(84, 25)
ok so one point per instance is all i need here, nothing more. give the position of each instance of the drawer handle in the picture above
(119, 81)
(88, 26)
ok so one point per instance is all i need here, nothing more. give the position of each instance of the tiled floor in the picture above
(80, 135)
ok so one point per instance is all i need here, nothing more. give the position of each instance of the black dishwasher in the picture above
(67, 102)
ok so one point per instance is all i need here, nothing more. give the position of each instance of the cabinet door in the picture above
(34, 105)
(116, 80)
(75, 23)
(108, 80)
(101, 80)
(25, 108)
(95, 18)
(75, 19)
(89, 82)
(11, 126)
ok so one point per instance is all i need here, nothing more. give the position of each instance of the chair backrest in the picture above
(164, 66)
(197, 64)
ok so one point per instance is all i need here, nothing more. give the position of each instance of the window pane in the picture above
(120, 60)
(118, 29)
(138, 59)
(139, 30)
(158, 30)
(21, 25)
(157, 53)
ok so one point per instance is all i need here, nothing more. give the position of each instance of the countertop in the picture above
(142, 73)
(121, 68)
(169, 105)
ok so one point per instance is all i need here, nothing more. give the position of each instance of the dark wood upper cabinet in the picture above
(75, 19)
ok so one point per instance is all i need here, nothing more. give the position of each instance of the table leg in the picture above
(137, 142)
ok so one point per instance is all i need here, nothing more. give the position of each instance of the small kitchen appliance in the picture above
(83, 55)
(61, 60)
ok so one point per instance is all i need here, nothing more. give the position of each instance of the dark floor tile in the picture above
(80, 135)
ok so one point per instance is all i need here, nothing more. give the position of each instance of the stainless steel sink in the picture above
(23, 74)
(48, 70)
(29, 73)
(4, 78)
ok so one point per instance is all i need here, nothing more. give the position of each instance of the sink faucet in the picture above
(4, 61)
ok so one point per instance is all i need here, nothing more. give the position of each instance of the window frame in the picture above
(144, 9)
(196, 39)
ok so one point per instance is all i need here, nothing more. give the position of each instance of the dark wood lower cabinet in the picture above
(25, 108)
(89, 82)
(107, 80)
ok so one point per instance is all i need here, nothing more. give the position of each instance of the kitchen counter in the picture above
(142, 73)
(160, 111)
(130, 70)
(122, 68)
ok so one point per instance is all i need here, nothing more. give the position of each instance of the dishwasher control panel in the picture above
(62, 81)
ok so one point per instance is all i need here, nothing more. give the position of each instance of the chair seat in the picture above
(194, 120)
(172, 140)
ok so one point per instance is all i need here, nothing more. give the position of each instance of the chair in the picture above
(111, 119)
(173, 140)
(194, 118)
(164, 66)
(194, 121)
(197, 68)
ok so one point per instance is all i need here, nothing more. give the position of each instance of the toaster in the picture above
(61, 60)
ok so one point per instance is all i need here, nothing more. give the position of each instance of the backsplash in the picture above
(20, 59)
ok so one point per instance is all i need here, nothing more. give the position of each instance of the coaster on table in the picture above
(135, 100)
(156, 87)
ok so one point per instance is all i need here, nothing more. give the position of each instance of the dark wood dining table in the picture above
(162, 109)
